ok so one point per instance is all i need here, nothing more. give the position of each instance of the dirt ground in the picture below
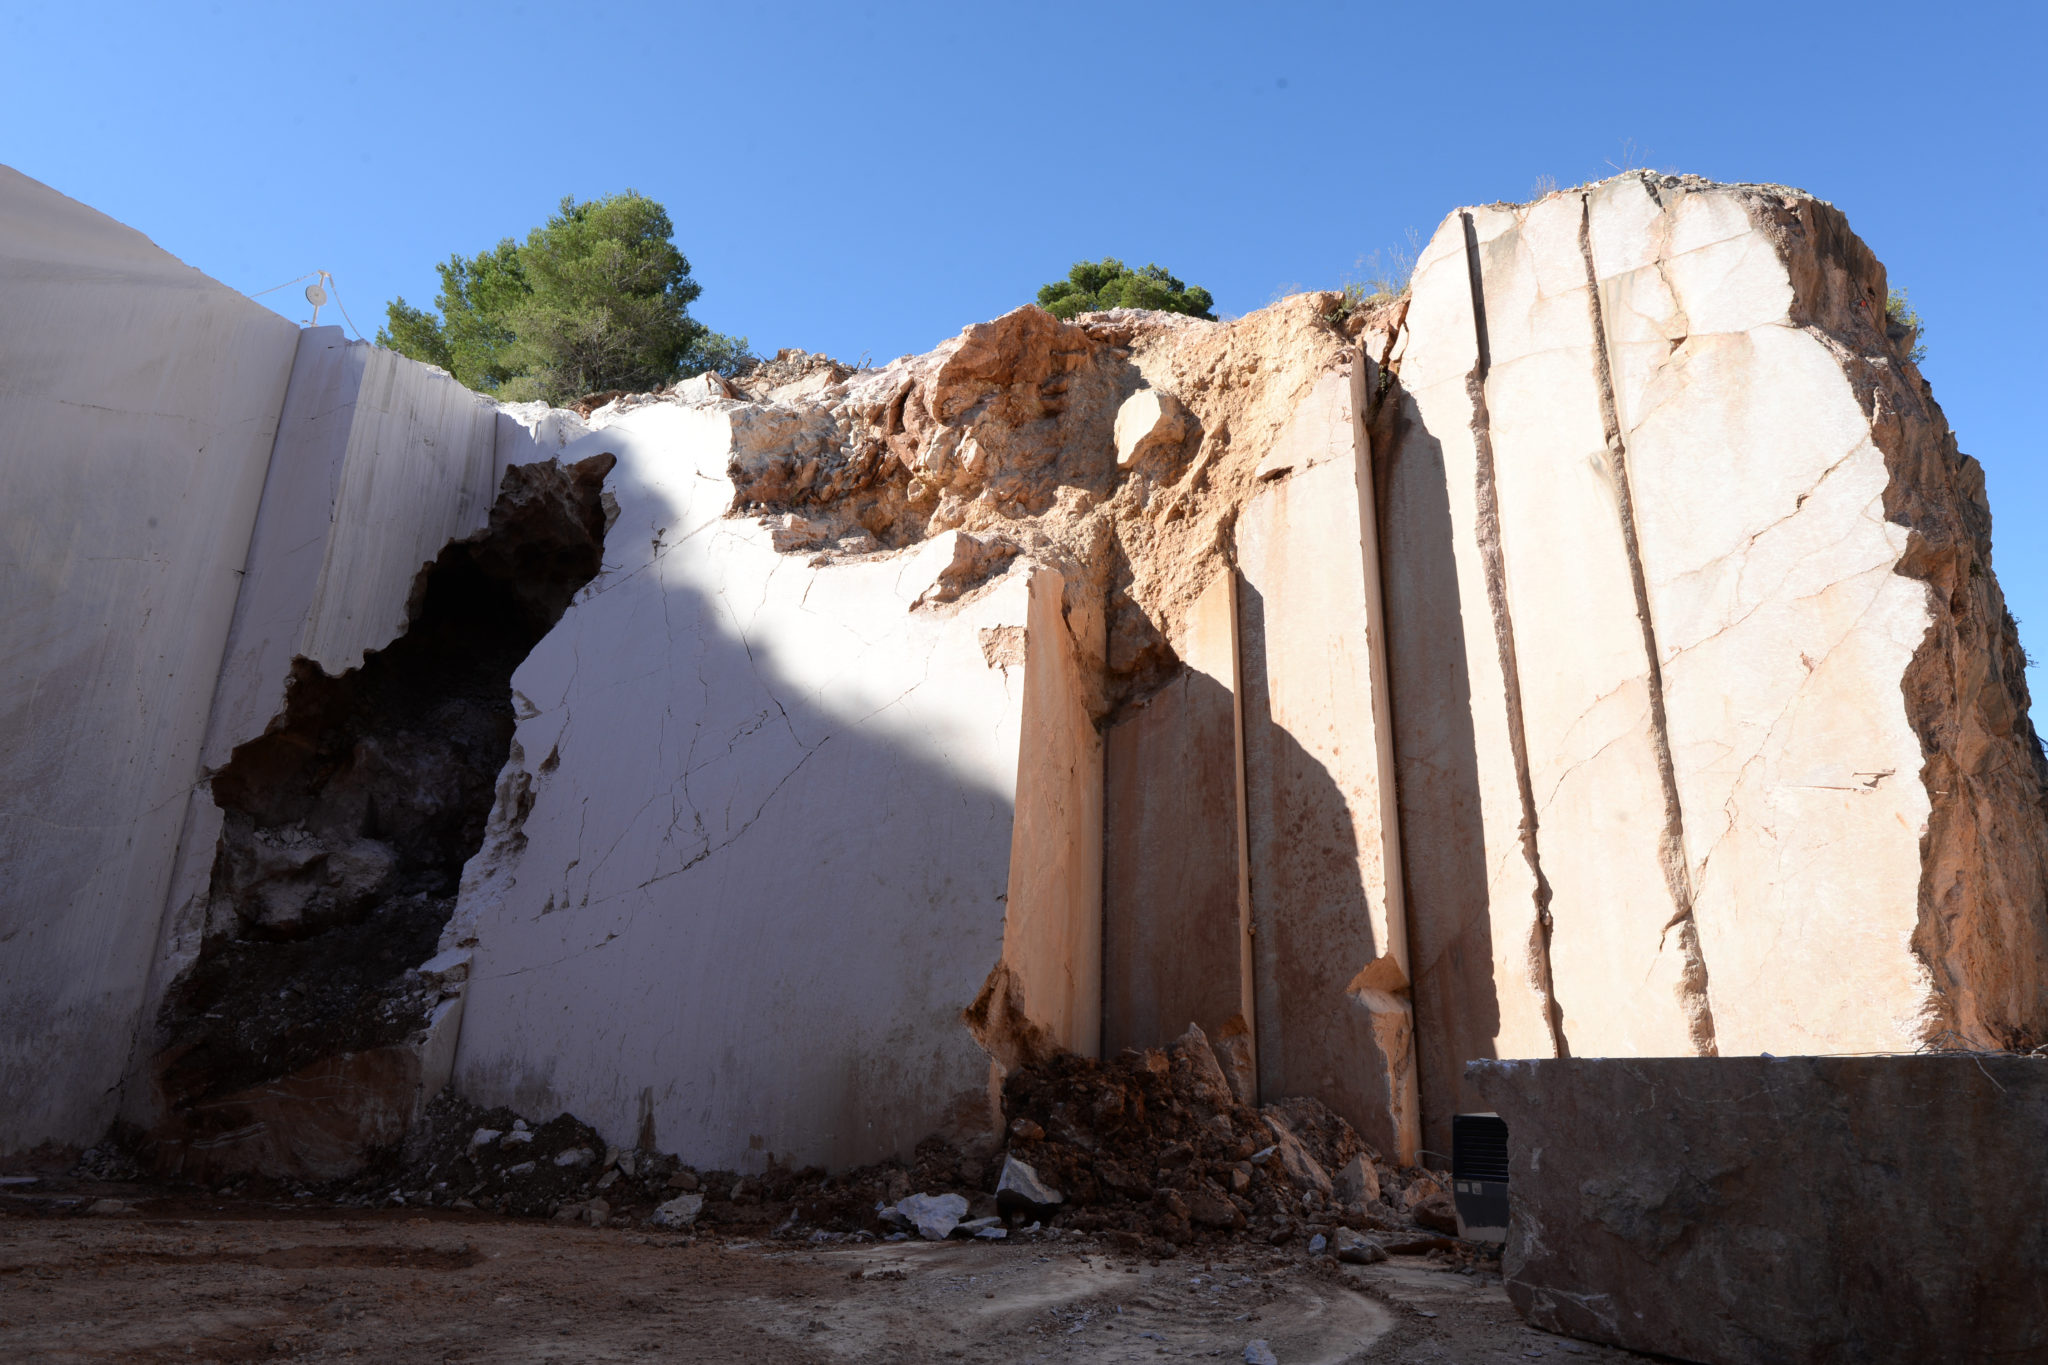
(146, 1276)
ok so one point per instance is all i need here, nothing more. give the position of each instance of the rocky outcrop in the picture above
(1735, 1211)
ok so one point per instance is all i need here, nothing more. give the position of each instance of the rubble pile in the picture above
(794, 373)
(462, 1156)
(1151, 1150)
(1156, 1144)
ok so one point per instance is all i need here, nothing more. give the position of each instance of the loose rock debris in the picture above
(1150, 1149)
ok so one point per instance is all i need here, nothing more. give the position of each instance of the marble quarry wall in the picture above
(140, 401)
(1594, 651)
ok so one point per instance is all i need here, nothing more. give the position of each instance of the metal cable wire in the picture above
(328, 280)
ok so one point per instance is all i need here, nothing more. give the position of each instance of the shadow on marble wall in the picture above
(1436, 760)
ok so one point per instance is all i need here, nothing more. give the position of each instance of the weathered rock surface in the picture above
(1784, 1209)
(338, 841)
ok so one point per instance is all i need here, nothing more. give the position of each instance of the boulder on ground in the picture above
(1019, 1191)
(1355, 1248)
(933, 1215)
(679, 1212)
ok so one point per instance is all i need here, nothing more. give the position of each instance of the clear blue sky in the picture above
(870, 178)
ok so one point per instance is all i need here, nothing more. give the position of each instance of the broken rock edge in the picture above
(182, 938)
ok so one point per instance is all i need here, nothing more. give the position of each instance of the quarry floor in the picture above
(193, 1277)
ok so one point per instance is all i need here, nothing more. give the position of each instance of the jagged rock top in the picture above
(1006, 432)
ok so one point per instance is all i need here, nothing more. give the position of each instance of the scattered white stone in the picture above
(1257, 1352)
(702, 388)
(575, 1156)
(974, 1226)
(679, 1212)
(523, 1168)
(484, 1137)
(933, 1215)
(1317, 1243)
(107, 1208)
(515, 1137)
(1020, 1190)
(992, 1234)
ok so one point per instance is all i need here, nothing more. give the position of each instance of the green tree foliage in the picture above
(1094, 285)
(1903, 325)
(596, 298)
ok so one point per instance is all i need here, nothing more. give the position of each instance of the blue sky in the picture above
(870, 178)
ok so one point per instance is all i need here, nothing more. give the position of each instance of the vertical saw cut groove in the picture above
(1487, 529)
(1699, 1012)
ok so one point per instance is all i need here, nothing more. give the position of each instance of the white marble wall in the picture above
(787, 826)
(138, 400)
(1330, 941)
(1784, 627)
(1683, 636)
(380, 463)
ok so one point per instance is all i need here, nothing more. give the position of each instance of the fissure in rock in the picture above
(348, 822)
(1671, 850)
(1487, 518)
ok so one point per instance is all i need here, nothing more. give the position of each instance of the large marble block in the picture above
(1789, 1210)
(1330, 948)
(1860, 784)
(139, 400)
(791, 858)
(1176, 903)
(1663, 508)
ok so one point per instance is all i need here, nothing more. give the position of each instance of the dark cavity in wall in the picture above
(348, 823)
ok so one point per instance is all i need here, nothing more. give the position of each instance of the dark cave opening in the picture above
(348, 823)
